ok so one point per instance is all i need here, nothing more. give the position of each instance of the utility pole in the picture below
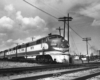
(4, 53)
(99, 53)
(59, 30)
(26, 45)
(64, 19)
(87, 39)
(32, 38)
(25, 51)
(16, 50)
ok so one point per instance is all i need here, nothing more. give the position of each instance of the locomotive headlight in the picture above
(44, 45)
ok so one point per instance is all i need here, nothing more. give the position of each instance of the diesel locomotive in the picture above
(53, 47)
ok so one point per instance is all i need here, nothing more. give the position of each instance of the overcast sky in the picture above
(19, 21)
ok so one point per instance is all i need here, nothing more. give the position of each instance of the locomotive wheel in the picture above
(44, 59)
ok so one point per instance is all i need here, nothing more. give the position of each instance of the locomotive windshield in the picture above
(55, 36)
(58, 41)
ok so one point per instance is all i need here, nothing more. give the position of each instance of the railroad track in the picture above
(14, 71)
(44, 67)
(55, 74)
(88, 76)
(35, 68)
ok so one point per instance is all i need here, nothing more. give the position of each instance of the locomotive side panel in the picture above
(49, 43)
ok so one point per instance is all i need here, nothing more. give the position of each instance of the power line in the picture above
(54, 8)
(50, 15)
(74, 43)
(76, 32)
(66, 23)
(87, 39)
(40, 9)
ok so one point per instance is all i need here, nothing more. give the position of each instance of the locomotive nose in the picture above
(59, 43)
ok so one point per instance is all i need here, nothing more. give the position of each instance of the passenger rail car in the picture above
(49, 48)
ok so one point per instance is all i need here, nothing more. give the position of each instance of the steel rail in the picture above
(44, 67)
(34, 68)
(88, 76)
(54, 74)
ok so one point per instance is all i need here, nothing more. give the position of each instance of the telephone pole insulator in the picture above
(59, 30)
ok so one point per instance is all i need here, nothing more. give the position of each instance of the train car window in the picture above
(55, 36)
(52, 37)
(46, 39)
(9, 49)
(32, 43)
(19, 46)
(14, 48)
(38, 41)
(6, 50)
(27, 44)
(43, 40)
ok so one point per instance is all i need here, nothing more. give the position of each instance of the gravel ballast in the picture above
(7, 64)
(75, 75)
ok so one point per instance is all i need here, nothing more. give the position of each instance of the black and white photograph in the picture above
(49, 39)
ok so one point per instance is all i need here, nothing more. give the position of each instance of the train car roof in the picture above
(31, 43)
(34, 42)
